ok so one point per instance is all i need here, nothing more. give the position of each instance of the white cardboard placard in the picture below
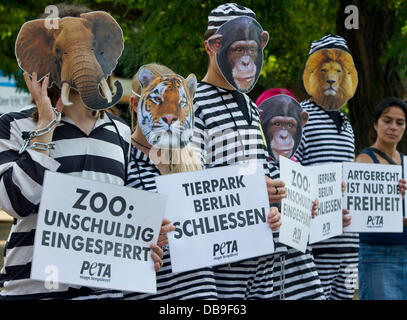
(296, 208)
(220, 215)
(328, 220)
(372, 197)
(96, 234)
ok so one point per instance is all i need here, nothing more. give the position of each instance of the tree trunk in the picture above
(376, 82)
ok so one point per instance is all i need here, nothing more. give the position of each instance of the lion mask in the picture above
(330, 78)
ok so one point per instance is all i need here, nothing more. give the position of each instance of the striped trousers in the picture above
(196, 284)
(248, 279)
(338, 273)
(291, 275)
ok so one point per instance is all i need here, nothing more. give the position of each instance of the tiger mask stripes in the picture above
(165, 114)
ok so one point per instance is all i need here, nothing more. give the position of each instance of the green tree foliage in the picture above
(171, 32)
(380, 58)
(12, 16)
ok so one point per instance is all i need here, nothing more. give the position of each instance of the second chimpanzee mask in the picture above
(239, 45)
(282, 119)
(80, 53)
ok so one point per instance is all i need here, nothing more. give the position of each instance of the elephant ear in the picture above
(34, 51)
(108, 38)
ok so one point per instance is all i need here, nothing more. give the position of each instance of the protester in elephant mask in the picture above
(80, 53)
(79, 142)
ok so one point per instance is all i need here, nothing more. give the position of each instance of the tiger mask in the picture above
(165, 109)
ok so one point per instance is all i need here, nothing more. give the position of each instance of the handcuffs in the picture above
(40, 132)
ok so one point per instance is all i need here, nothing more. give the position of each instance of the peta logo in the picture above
(95, 270)
(326, 228)
(225, 249)
(375, 221)
(296, 235)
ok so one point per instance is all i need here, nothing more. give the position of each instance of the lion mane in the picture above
(332, 71)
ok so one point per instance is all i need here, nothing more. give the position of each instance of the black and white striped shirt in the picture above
(322, 143)
(196, 284)
(102, 155)
(224, 136)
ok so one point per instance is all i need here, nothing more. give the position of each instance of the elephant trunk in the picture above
(87, 76)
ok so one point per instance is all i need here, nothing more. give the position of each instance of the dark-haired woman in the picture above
(383, 256)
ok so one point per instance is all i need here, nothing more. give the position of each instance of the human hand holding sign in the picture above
(276, 190)
(345, 218)
(166, 227)
(402, 187)
(274, 219)
(315, 208)
(157, 253)
(157, 256)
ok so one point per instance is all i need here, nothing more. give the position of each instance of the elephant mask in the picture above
(80, 54)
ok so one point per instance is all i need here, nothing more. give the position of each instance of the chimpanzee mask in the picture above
(239, 45)
(80, 54)
(282, 119)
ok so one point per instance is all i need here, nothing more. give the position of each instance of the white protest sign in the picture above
(372, 197)
(220, 215)
(296, 208)
(328, 221)
(97, 234)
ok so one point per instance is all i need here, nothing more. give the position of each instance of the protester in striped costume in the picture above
(282, 119)
(228, 132)
(167, 108)
(70, 143)
(330, 78)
